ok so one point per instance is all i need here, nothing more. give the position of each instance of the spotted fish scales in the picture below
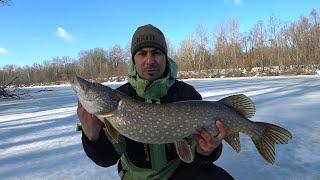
(172, 122)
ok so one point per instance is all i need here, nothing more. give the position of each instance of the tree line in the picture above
(96, 64)
(268, 48)
(271, 47)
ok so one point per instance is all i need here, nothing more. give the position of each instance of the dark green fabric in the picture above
(119, 146)
(131, 172)
(158, 156)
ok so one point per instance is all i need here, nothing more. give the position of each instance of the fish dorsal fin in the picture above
(241, 103)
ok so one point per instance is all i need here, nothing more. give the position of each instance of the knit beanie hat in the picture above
(148, 36)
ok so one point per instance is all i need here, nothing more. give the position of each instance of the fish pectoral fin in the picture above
(184, 151)
(111, 131)
(234, 141)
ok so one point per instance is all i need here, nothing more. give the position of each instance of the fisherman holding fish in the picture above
(152, 79)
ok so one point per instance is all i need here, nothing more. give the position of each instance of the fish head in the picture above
(80, 86)
(94, 97)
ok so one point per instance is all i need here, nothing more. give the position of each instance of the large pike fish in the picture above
(172, 122)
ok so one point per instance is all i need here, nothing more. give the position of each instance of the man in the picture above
(152, 79)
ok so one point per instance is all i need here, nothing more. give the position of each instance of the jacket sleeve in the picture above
(101, 151)
(211, 157)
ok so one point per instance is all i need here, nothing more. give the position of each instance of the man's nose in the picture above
(150, 58)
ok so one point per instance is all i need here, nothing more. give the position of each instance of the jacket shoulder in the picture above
(125, 87)
(184, 85)
(130, 91)
(183, 91)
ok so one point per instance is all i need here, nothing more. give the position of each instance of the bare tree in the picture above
(258, 38)
(235, 45)
(171, 49)
(116, 61)
(221, 48)
(187, 54)
(315, 37)
(202, 45)
(92, 63)
(274, 42)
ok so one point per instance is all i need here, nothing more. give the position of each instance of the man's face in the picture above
(150, 63)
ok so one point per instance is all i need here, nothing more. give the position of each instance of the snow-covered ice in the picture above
(39, 141)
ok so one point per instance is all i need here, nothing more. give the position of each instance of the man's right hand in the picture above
(91, 125)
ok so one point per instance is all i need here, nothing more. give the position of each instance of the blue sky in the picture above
(32, 31)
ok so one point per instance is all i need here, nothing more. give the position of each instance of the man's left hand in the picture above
(206, 143)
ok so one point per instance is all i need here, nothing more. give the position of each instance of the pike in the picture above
(172, 122)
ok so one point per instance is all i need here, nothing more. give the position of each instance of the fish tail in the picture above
(271, 135)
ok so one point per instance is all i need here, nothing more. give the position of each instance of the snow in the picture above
(39, 141)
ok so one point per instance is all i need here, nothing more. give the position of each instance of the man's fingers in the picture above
(206, 143)
(222, 132)
(206, 136)
(95, 117)
(84, 115)
(79, 106)
(204, 147)
(81, 109)
(204, 140)
(199, 139)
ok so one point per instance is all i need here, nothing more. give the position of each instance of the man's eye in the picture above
(156, 52)
(141, 53)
